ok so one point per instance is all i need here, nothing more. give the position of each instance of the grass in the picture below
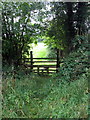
(62, 95)
(34, 96)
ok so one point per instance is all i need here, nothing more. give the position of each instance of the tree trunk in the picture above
(70, 27)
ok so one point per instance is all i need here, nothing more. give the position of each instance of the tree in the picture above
(81, 17)
(70, 33)
(68, 17)
(18, 29)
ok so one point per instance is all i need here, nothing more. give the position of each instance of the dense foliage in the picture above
(77, 63)
(60, 95)
(18, 30)
(69, 19)
(24, 23)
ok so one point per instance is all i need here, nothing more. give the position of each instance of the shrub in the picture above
(76, 63)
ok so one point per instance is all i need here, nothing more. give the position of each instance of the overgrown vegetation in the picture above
(42, 97)
(60, 95)
(77, 63)
(63, 95)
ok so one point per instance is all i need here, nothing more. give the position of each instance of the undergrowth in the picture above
(39, 97)
(62, 95)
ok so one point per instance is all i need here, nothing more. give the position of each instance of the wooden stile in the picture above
(29, 63)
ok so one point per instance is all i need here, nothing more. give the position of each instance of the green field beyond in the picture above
(39, 50)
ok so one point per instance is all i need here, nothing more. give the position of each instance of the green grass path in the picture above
(42, 97)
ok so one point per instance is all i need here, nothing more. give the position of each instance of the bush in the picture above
(76, 64)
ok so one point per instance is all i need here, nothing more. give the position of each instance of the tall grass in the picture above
(34, 96)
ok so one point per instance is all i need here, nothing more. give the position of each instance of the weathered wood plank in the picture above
(45, 58)
(39, 58)
(44, 61)
(52, 66)
(38, 70)
(40, 61)
(44, 72)
(51, 70)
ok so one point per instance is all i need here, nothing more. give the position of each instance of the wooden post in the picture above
(58, 63)
(38, 69)
(31, 57)
(42, 71)
(47, 70)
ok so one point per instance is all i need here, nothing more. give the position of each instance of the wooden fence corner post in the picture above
(31, 58)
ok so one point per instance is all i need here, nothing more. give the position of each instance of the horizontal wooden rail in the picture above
(50, 66)
(38, 58)
(45, 58)
(41, 61)
(44, 69)
(44, 61)
(44, 72)
(51, 70)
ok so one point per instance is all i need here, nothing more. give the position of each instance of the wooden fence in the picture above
(42, 65)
